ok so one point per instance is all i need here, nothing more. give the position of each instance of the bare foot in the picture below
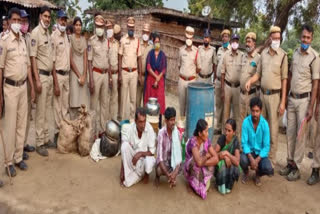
(156, 181)
(146, 179)
(257, 181)
(245, 178)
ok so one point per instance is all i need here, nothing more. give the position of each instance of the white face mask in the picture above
(15, 27)
(275, 44)
(145, 37)
(188, 42)
(62, 28)
(43, 25)
(99, 31)
(109, 33)
(234, 45)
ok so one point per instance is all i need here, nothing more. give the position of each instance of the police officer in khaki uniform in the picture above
(130, 70)
(303, 79)
(41, 53)
(230, 79)
(208, 59)
(15, 70)
(249, 64)
(145, 49)
(225, 35)
(100, 74)
(273, 73)
(189, 63)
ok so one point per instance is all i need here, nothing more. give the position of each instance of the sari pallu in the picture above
(158, 65)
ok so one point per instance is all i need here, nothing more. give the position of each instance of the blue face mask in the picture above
(130, 33)
(304, 46)
(225, 45)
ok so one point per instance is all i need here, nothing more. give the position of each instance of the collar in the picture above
(253, 54)
(136, 131)
(42, 30)
(277, 51)
(307, 52)
(231, 52)
(13, 37)
(252, 122)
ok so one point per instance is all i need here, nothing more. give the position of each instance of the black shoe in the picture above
(22, 165)
(286, 170)
(29, 148)
(12, 170)
(53, 144)
(25, 156)
(310, 155)
(41, 150)
(314, 178)
(1, 184)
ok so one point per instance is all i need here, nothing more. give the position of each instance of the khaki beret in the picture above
(99, 20)
(130, 22)
(275, 29)
(189, 32)
(251, 35)
(146, 27)
(116, 29)
(108, 23)
(225, 31)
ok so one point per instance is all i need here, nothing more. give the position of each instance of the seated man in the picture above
(169, 155)
(255, 139)
(137, 150)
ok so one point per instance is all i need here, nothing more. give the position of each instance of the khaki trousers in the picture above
(182, 87)
(29, 112)
(128, 94)
(219, 104)
(114, 103)
(61, 103)
(140, 89)
(231, 100)
(101, 95)
(316, 150)
(14, 123)
(297, 110)
(43, 104)
(270, 113)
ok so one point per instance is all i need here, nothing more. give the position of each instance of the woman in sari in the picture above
(200, 160)
(155, 77)
(228, 149)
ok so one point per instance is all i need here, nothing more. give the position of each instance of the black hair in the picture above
(255, 101)
(200, 127)
(77, 19)
(45, 9)
(170, 112)
(97, 14)
(155, 35)
(307, 27)
(70, 28)
(14, 10)
(140, 111)
(232, 123)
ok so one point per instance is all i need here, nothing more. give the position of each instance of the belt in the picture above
(61, 72)
(15, 83)
(114, 72)
(206, 76)
(43, 72)
(300, 96)
(187, 78)
(232, 85)
(218, 78)
(270, 91)
(129, 69)
(252, 91)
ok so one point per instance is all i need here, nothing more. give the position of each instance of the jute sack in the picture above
(67, 140)
(86, 131)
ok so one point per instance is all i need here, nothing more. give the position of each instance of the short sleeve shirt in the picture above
(189, 61)
(220, 54)
(249, 68)
(231, 66)
(98, 52)
(61, 51)
(113, 54)
(130, 49)
(208, 57)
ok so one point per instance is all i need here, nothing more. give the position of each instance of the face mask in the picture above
(62, 28)
(225, 45)
(145, 37)
(234, 45)
(275, 44)
(109, 33)
(304, 46)
(206, 44)
(99, 32)
(157, 46)
(44, 25)
(131, 33)
(15, 27)
(24, 28)
(249, 50)
(188, 42)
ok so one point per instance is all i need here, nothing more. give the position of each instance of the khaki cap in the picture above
(251, 35)
(189, 32)
(146, 27)
(116, 29)
(275, 29)
(225, 31)
(130, 22)
(108, 23)
(99, 20)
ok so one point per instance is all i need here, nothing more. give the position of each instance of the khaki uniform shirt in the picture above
(304, 69)
(130, 49)
(14, 59)
(231, 66)
(113, 54)
(42, 48)
(27, 38)
(208, 57)
(189, 61)
(273, 69)
(61, 51)
(220, 54)
(145, 49)
(249, 66)
(98, 52)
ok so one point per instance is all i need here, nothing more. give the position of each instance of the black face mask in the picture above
(131, 33)
(206, 44)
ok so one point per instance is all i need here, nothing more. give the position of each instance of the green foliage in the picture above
(70, 6)
(125, 4)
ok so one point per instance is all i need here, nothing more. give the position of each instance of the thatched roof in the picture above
(32, 3)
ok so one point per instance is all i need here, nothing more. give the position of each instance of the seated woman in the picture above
(228, 149)
(200, 160)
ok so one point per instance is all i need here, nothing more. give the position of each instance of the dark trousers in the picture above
(264, 166)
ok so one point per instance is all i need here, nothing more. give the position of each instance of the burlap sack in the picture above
(86, 138)
(67, 137)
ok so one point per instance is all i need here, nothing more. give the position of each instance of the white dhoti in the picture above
(133, 174)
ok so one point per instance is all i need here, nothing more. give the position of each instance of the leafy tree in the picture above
(70, 6)
(125, 4)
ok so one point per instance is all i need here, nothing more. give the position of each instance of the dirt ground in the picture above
(71, 184)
